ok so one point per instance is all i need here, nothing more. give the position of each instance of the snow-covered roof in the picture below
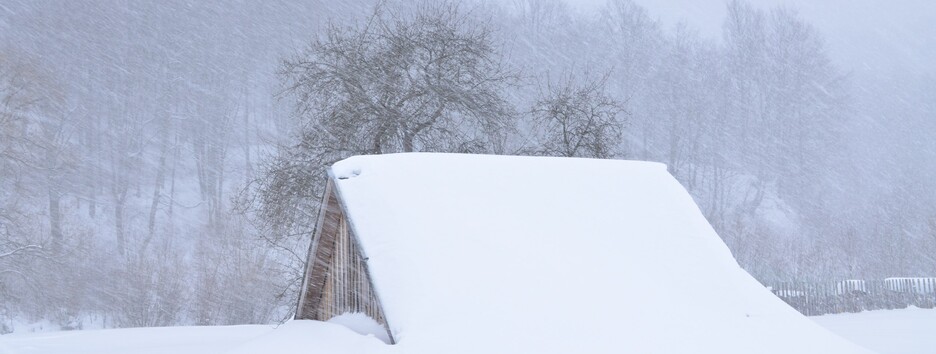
(496, 254)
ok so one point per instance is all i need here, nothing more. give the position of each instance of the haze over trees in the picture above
(161, 163)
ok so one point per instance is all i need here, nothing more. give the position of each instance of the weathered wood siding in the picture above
(336, 280)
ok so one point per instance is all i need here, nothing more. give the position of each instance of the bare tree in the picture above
(401, 82)
(17, 161)
(578, 119)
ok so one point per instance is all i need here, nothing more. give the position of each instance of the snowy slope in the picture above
(905, 331)
(490, 254)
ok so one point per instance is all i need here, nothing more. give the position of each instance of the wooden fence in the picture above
(812, 299)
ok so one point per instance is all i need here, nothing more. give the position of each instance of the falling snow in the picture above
(162, 162)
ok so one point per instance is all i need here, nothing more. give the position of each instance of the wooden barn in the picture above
(451, 253)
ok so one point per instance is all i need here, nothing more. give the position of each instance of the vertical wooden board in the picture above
(320, 257)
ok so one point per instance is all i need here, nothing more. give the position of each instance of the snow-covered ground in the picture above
(292, 337)
(175, 340)
(908, 331)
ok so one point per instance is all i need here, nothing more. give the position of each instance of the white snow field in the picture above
(292, 337)
(907, 331)
(493, 254)
(164, 340)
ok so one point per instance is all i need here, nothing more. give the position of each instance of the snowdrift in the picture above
(496, 254)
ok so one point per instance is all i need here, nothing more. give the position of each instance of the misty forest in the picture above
(162, 163)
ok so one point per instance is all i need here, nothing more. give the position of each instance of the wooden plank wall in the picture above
(347, 287)
(337, 280)
(319, 258)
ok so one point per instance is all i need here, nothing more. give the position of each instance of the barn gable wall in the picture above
(336, 278)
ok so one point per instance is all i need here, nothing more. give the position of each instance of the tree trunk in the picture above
(172, 178)
(119, 225)
(157, 187)
(55, 218)
(248, 166)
